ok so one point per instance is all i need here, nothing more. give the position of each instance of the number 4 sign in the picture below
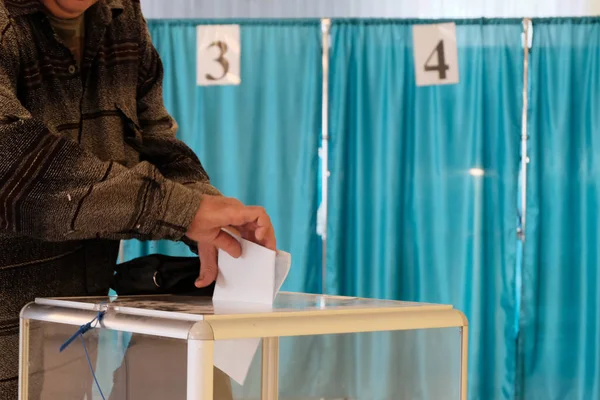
(435, 53)
(218, 55)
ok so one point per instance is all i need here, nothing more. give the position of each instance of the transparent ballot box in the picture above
(311, 347)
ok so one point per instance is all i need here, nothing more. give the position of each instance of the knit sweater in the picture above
(88, 156)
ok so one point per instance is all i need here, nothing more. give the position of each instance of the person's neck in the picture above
(58, 12)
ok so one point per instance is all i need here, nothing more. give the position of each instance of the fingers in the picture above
(265, 236)
(269, 240)
(242, 215)
(208, 265)
(227, 243)
(261, 229)
(229, 212)
(258, 217)
(264, 231)
(233, 230)
(263, 219)
(218, 213)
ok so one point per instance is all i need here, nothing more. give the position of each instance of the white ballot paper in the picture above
(250, 282)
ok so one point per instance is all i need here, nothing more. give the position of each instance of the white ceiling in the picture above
(211, 9)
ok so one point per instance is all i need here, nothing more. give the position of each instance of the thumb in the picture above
(208, 265)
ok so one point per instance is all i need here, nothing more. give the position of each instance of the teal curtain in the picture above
(259, 140)
(423, 197)
(561, 278)
(423, 192)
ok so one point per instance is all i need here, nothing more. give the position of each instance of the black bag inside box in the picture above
(159, 274)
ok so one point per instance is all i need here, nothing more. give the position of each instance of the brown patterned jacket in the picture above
(88, 156)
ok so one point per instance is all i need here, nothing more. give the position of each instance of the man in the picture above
(88, 157)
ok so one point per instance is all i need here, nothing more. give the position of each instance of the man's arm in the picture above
(174, 159)
(52, 189)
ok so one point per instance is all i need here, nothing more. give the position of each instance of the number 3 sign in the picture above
(436, 56)
(218, 55)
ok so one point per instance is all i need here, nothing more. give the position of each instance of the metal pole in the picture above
(519, 375)
(121, 257)
(23, 393)
(270, 369)
(325, 29)
(464, 360)
(200, 373)
(524, 133)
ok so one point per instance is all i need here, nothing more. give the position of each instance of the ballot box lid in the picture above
(192, 308)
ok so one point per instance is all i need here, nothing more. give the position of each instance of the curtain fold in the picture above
(561, 297)
(258, 141)
(423, 190)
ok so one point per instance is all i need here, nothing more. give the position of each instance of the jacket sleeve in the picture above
(54, 190)
(160, 147)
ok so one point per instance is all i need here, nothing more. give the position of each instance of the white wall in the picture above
(367, 8)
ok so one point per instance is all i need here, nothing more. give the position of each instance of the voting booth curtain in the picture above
(561, 274)
(423, 195)
(423, 185)
(259, 140)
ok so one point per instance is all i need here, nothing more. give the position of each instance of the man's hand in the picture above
(216, 213)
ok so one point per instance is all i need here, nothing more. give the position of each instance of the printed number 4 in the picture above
(222, 46)
(441, 66)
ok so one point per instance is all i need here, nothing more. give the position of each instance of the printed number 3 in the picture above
(222, 46)
(441, 66)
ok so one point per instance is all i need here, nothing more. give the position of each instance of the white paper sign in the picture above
(435, 54)
(254, 279)
(218, 55)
